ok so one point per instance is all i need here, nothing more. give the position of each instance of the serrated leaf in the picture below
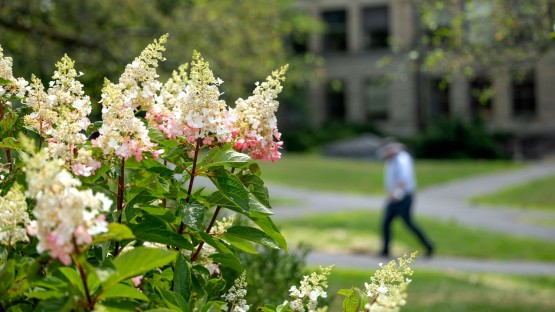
(255, 185)
(229, 261)
(239, 243)
(10, 143)
(174, 301)
(137, 261)
(7, 275)
(74, 279)
(154, 229)
(123, 291)
(266, 224)
(253, 235)
(116, 232)
(182, 277)
(192, 214)
(231, 187)
(218, 157)
(218, 199)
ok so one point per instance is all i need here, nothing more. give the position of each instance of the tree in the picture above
(243, 40)
(472, 35)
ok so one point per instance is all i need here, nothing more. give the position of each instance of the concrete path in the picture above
(444, 202)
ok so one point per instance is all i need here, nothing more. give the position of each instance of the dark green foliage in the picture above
(271, 273)
(307, 139)
(452, 138)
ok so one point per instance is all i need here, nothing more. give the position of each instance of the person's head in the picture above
(389, 149)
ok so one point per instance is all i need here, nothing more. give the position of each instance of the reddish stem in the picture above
(121, 181)
(193, 174)
(82, 274)
(9, 158)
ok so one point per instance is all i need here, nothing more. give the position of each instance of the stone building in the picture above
(400, 100)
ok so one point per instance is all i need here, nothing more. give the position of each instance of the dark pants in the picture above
(401, 208)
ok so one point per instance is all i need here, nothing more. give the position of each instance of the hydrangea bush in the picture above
(106, 216)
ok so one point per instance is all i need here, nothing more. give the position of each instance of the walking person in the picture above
(400, 186)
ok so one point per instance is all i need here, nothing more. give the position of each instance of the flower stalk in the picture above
(121, 181)
(191, 181)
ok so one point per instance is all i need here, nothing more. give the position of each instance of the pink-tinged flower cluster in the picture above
(16, 86)
(60, 116)
(255, 127)
(190, 106)
(123, 134)
(65, 217)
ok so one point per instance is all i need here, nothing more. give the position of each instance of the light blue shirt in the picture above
(400, 168)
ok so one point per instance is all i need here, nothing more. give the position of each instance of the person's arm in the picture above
(402, 176)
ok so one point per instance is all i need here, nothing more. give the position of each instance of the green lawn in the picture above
(359, 232)
(457, 291)
(538, 194)
(359, 176)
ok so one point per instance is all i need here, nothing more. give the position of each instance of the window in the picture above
(481, 93)
(439, 97)
(335, 38)
(375, 27)
(376, 91)
(335, 100)
(524, 96)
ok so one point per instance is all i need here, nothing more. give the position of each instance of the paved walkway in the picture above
(444, 202)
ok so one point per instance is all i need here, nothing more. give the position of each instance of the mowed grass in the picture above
(456, 291)
(315, 172)
(359, 232)
(538, 194)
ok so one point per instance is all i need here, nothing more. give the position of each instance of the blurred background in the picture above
(467, 85)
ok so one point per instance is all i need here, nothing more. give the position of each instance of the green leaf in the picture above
(174, 301)
(255, 185)
(218, 199)
(226, 260)
(253, 235)
(239, 243)
(74, 279)
(266, 224)
(182, 277)
(213, 306)
(137, 261)
(192, 214)
(218, 157)
(7, 275)
(231, 187)
(255, 205)
(354, 300)
(10, 143)
(4, 81)
(154, 229)
(123, 291)
(116, 232)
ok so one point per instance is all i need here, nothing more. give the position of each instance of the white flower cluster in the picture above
(66, 217)
(60, 116)
(16, 86)
(236, 295)
(123, 134)
(13, 217)
(255, 127)
(221, 226)
(312, 287)
(387, 288)
(190, 106)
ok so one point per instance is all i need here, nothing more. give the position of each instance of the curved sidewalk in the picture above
(443, 202)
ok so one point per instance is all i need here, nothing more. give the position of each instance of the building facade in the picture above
(368, 83)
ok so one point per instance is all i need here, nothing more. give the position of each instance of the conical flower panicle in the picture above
(255, 127)
(61, 115)
(123, 134)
